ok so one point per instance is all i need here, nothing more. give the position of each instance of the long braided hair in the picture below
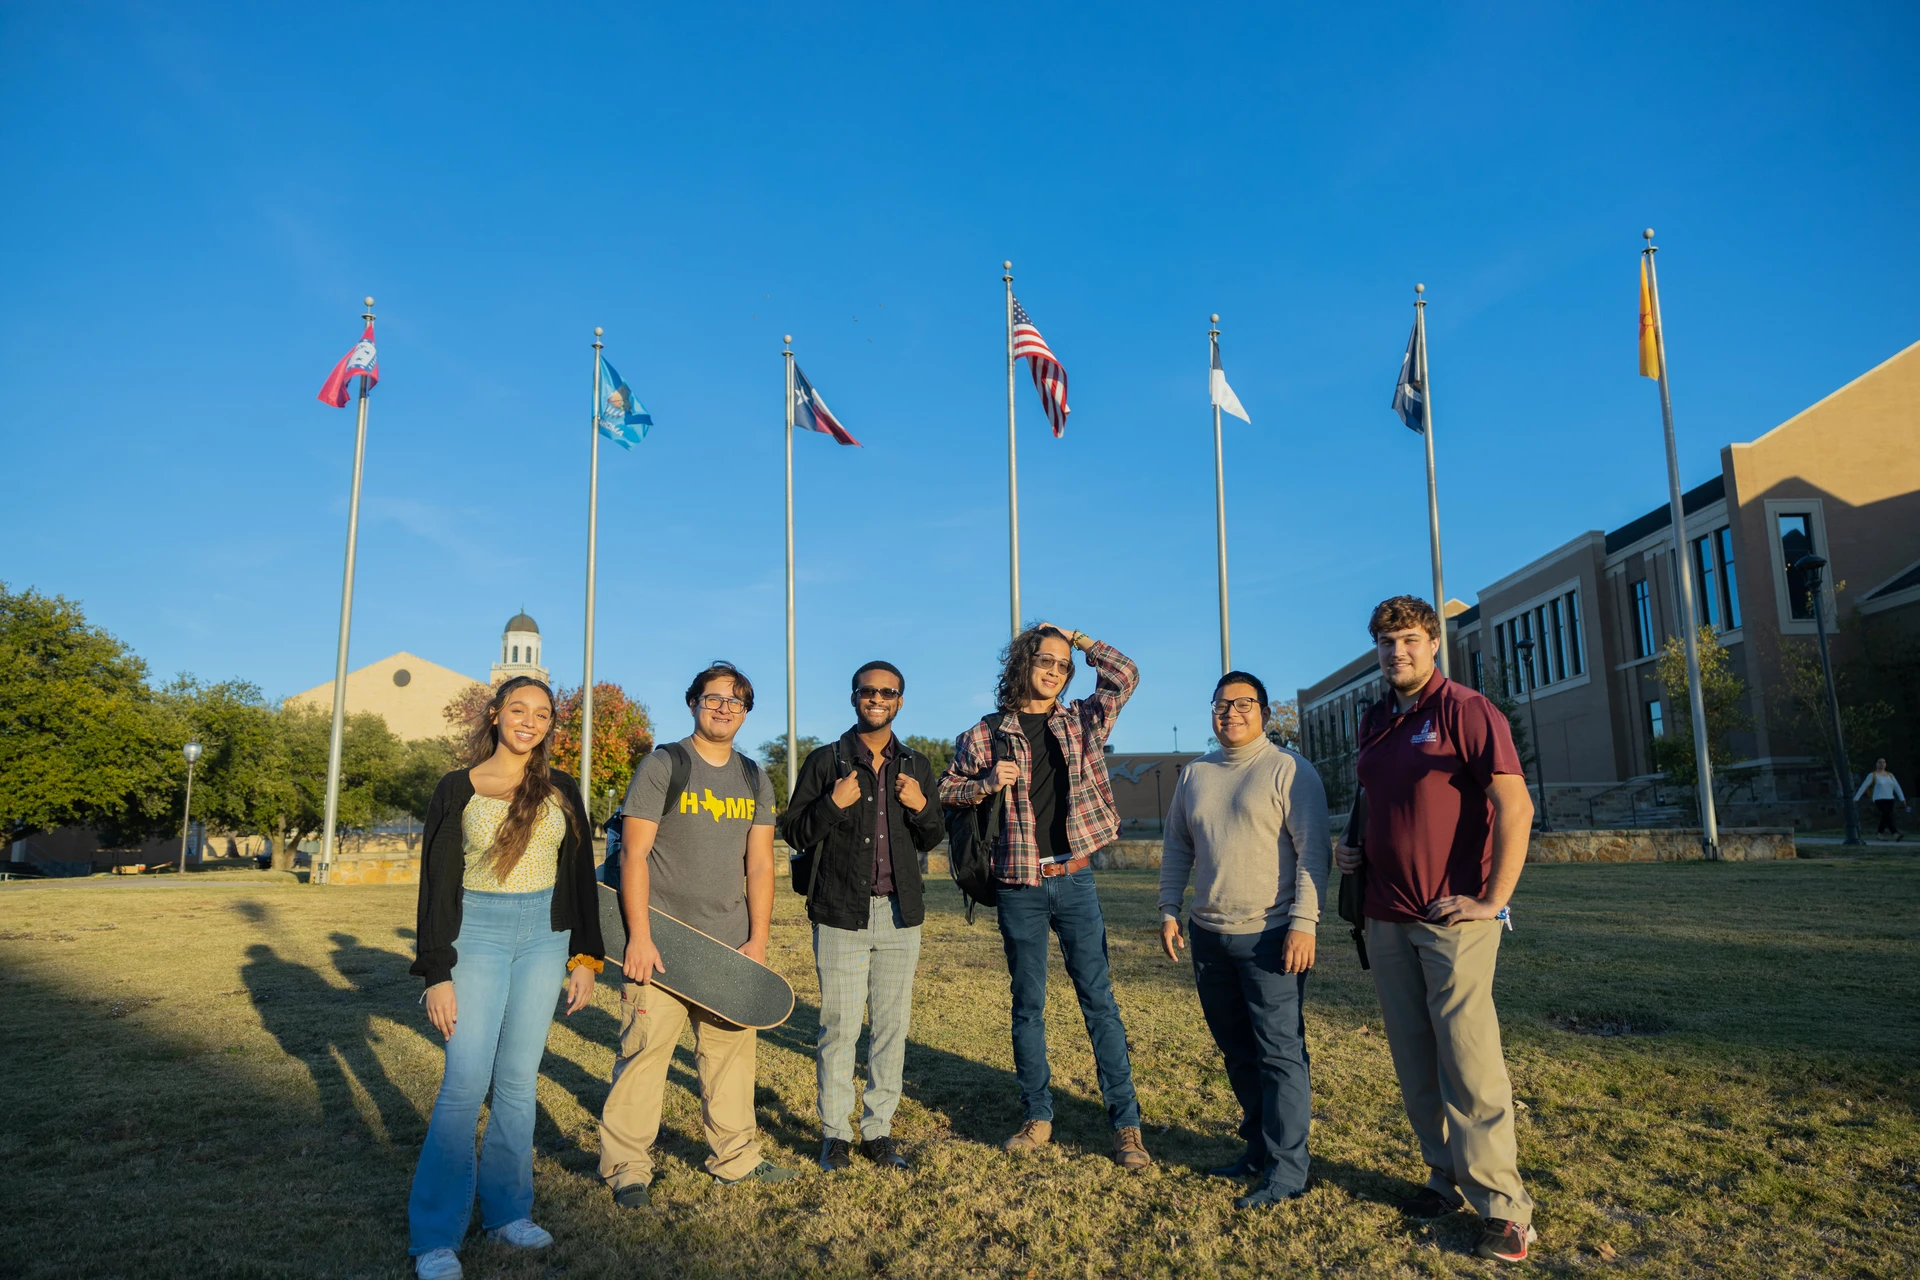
(1016, 667)
(523, 810)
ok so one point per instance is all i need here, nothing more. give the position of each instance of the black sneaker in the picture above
(1427, 1204)
(836, 1154)
(1505, 1241)
(1267, 1194)
(765, 1171)
(633, 1196)
(1247, 1166)
(883, 1153)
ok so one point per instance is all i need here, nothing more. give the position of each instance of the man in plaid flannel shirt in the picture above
(1059, 811)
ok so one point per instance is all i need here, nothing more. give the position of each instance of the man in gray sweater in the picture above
(1248, 823)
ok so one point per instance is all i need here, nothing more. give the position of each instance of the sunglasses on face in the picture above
(1047, 662)
(1245, 706)
(870, 691)
(722, 702)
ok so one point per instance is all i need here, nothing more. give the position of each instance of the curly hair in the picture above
(718, 668)
(1397, 613)
(510, 842)
(1016, 666)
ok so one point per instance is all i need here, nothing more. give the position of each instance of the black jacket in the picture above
(443, 865)
(842, 839)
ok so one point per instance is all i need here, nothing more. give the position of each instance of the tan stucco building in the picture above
(408, 692)
(1840, 480)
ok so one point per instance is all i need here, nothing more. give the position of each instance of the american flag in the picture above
(1048, 377)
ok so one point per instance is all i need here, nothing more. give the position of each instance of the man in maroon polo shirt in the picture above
(1447, 822)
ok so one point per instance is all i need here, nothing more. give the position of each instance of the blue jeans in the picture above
(1070, 907)
(866, 970)
(506, 984)
(1252, 1007)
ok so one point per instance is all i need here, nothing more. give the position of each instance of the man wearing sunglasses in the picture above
(1248, 822)
(861, 808)
(704, 857)
(1051, 758)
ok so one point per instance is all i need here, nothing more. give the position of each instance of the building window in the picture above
(1656, 723)
(1479, 673)
(1642, 620)
(1706, 606)
(1573, 632)
(1560, 638)
(516, 653)
(1796, 540)
(1729, 587)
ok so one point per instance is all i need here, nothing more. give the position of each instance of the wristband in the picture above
(592, 962)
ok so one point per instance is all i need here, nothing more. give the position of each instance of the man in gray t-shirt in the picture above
(697, 868)
(708, 862)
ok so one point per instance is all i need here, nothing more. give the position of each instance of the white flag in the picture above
(1222, 393)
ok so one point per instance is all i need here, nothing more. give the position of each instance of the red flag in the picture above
(359, 362)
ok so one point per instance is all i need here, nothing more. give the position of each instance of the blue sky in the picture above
(201, 195)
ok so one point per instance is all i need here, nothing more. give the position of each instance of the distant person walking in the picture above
(1249, 819)
(1447, 821)
(1886, 793)
(702, 853)
(1051, 759)
(863, 812)
(507, 914)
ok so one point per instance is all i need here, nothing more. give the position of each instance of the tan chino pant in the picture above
(651, 1021)
(1436, 1000)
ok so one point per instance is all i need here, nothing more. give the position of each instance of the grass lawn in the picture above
(228, 1075)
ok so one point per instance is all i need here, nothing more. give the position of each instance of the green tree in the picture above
(370, 760)
(938, 751)
(1514, 709)
(1725, 698)
(81, 739)
(773, 758)
(410, 789)
(622, 736)
(242, 765)
(1284, 727)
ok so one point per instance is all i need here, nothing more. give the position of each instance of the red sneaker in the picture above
(1505, 1241)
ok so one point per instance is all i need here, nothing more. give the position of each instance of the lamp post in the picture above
(192, 752)
(1525, 649)
(1811, 566)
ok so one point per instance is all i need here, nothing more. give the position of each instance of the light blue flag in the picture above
(622, 418)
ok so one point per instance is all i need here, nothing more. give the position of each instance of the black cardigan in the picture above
(443, 865)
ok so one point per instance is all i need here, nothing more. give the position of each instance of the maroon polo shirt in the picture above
(1426, 773)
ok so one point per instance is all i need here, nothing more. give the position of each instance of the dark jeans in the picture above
(1070, 907)
(1887, 824)
(1253, 1009)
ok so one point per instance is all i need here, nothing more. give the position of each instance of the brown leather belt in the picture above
(1068, 867)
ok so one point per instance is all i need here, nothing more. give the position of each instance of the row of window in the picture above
(1539, 647)
(532, 654)
(1717, 603)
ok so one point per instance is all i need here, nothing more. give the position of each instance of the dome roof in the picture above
(521, 622)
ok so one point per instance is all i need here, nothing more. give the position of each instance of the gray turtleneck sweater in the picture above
(1252, 823)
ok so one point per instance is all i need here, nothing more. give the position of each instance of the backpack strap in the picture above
(677, 777)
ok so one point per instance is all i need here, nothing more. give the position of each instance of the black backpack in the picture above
(800, 863)
(973, 831)
(676, 783)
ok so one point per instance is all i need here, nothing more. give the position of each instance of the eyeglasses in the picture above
(719, 701)
(1047, 662)
(1245, 706)
(869, 691)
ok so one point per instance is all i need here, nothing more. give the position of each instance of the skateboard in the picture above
(701, 969)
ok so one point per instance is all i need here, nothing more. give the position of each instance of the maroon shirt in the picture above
(882, 855)
(1426, 773)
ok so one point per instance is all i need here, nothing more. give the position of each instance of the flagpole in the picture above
(1219, 497)
(1703, 765)
(325, 863)
(793, 730)
(593, 538)
(1433, 486)
(1013, 468)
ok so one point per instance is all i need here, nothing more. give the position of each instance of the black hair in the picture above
(878, 664)
(1242, 677)
(742, 687)
(1016, 666)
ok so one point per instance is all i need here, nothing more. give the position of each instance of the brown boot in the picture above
(1033, 1135)
(1129, 1152)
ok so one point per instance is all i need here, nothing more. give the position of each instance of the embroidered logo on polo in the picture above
(1427, 734)
(719, 806)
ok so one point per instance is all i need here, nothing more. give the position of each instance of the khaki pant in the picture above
(651, 1021)
(1436, 999)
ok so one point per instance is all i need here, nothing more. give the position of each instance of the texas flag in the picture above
(359, 362)
(811, 412)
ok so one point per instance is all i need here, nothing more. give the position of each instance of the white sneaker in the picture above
(522, 1235)
(437, 1264)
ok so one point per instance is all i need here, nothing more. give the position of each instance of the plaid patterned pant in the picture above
(866, 970)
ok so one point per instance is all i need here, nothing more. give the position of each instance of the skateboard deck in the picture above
(701, 969)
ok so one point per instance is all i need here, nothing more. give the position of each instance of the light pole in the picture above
(1525, 649)
(192, 752)
(1811, 566)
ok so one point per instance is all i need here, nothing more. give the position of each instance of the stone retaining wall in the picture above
(1659, 844)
